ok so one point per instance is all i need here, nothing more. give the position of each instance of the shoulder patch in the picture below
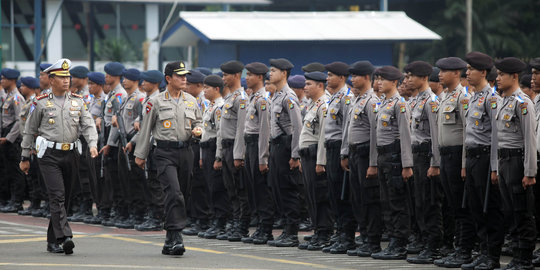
(493, 102)
(263, 105)
(148, 107)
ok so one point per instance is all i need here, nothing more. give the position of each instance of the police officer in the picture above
(336, 117)
(13, 180)
(313, 158)
(172, 118)
(257, 136)
(517, 159)
(285, 127)
(426, 159)
(359, 145)
(454, 102)
(57, 118)
(481, 163)
(394, 162)
(44, 82)
(297, 84)
(79, 80)
(535, 87)
(154, 195)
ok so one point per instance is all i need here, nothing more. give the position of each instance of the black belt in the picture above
(358, 147)
(227, 142)
(445, 150)
(211, 143)
(507, 152)
(332, 144)
(171, 144)
(282, 139)
(421, 148)
(251, 138)
(475, 151)
(389, 148)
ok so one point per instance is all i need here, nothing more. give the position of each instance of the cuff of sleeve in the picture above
(530, 173)
(25, 153)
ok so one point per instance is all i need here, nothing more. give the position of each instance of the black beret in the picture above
(257, 68)
(96, 77)
(204, 70)
(114, 69)
(177, 67)
(338, 68)
(535, 63)
(297, 81)
(492, 75)
(213, 80)
(132, 74)
(232, 67)
(419, 68)
(315, 66)
(464, 73)
(152, 76)
(451, 63)
(79, 72)
(44, 66)
(510, 65)
(434, 76)
(390, 73)
(10, 73)
(526, 80)
(376, 72)
(281, 63)
(361, 68)
(33, 83)
(195, 76)
(315, 76)
(479, 60)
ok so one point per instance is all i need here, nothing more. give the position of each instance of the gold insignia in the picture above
(226, 111)
(251, 116)
(452, 100)
(65, 146)
(476, 123)
(49, 104)
(355, 116)
(384, 124)
(65, 65)
(384, 116)
(507, 124)
(476, 114)
(167, 124)
(308, 124)
(506, 117)
(51, 121)
(447, 117)
(205, 124)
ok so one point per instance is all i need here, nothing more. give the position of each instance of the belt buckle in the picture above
(65, 146)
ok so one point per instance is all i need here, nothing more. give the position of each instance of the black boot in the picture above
(240, 231)
(395, 251)
(264, 236)
(459, 257)
(345, 243)
(217, 229)
(322, 241)
(291, 237)
(54, 248)
(426, 256)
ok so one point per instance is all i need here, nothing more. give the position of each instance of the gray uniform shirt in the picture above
(11, 110)
(258, 122)
(516, 128)
(537, 110)
(61, 124)
(393, 124)
(337, 114)
(285, 117)
(361, 125)
(481, 127)
(313, 128)
(451, 118)
(304, 104)
(25, 111)
(95, 106)
(168, 120)
(233, 119)
(119, 95)
(130, 110)
(145, 109)
(424, 123)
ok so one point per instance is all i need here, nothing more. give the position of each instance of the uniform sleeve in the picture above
(494, 138)
(296, 122)
(143, 142)
(404, 134)
(88, 127)
(31, 130)
(14, 133)
(462, 111)
(239, 144)
(345, 108)
(345, 138)
(321, 149)
(434, 133)
(528, 124)
(264, 132)
(219, 147)
(372, 117)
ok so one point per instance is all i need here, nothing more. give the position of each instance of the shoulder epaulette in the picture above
(42, 96)
(76, 95)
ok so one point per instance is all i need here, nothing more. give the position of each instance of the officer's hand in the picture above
(463, 174)
(140, 162)
(200, 163)
(114, 121)
(105, 150)
(137, 126)
(263, 168)
(93, 152)
(3, 140)
(345, 164)
(528, 181)
(128, 148)
(98, 124)
(238, 163)
(319, 169)
(218, 165)
(494, 178)
(371, 172)
(406, 173)
(197, 132)
(294, 163)
(433, 171)
(24, 166)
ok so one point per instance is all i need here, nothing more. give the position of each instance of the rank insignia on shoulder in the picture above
(42, 96)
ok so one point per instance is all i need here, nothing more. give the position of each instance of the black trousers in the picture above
(316, 189)
(12, 180)
(153, 192)
(453, 186)
(122, 196)
(394, 191)
(199, 204)
(258, 182)
(284, 182)
(36, 186)
(428, 198)
(135, 187)
(341, 207)
(85, 185)
(366, 199)
(519, 200)
(174, 172)
(489, 226)
(59, 169)
(235, 183)
(219, 201)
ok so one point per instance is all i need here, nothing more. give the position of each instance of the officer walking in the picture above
(57, 119)
(172, 118)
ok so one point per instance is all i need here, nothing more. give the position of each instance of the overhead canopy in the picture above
(294, 26)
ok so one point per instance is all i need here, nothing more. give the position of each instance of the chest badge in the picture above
(74, 103)
(447, 117)
(49, 104)
(167, 124)
(251, 116)
(51, 121)
(385, 124)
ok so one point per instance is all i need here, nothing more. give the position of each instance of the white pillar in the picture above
(54, 44)
(152, 32)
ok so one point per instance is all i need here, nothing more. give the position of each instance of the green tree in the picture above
(118, 50)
